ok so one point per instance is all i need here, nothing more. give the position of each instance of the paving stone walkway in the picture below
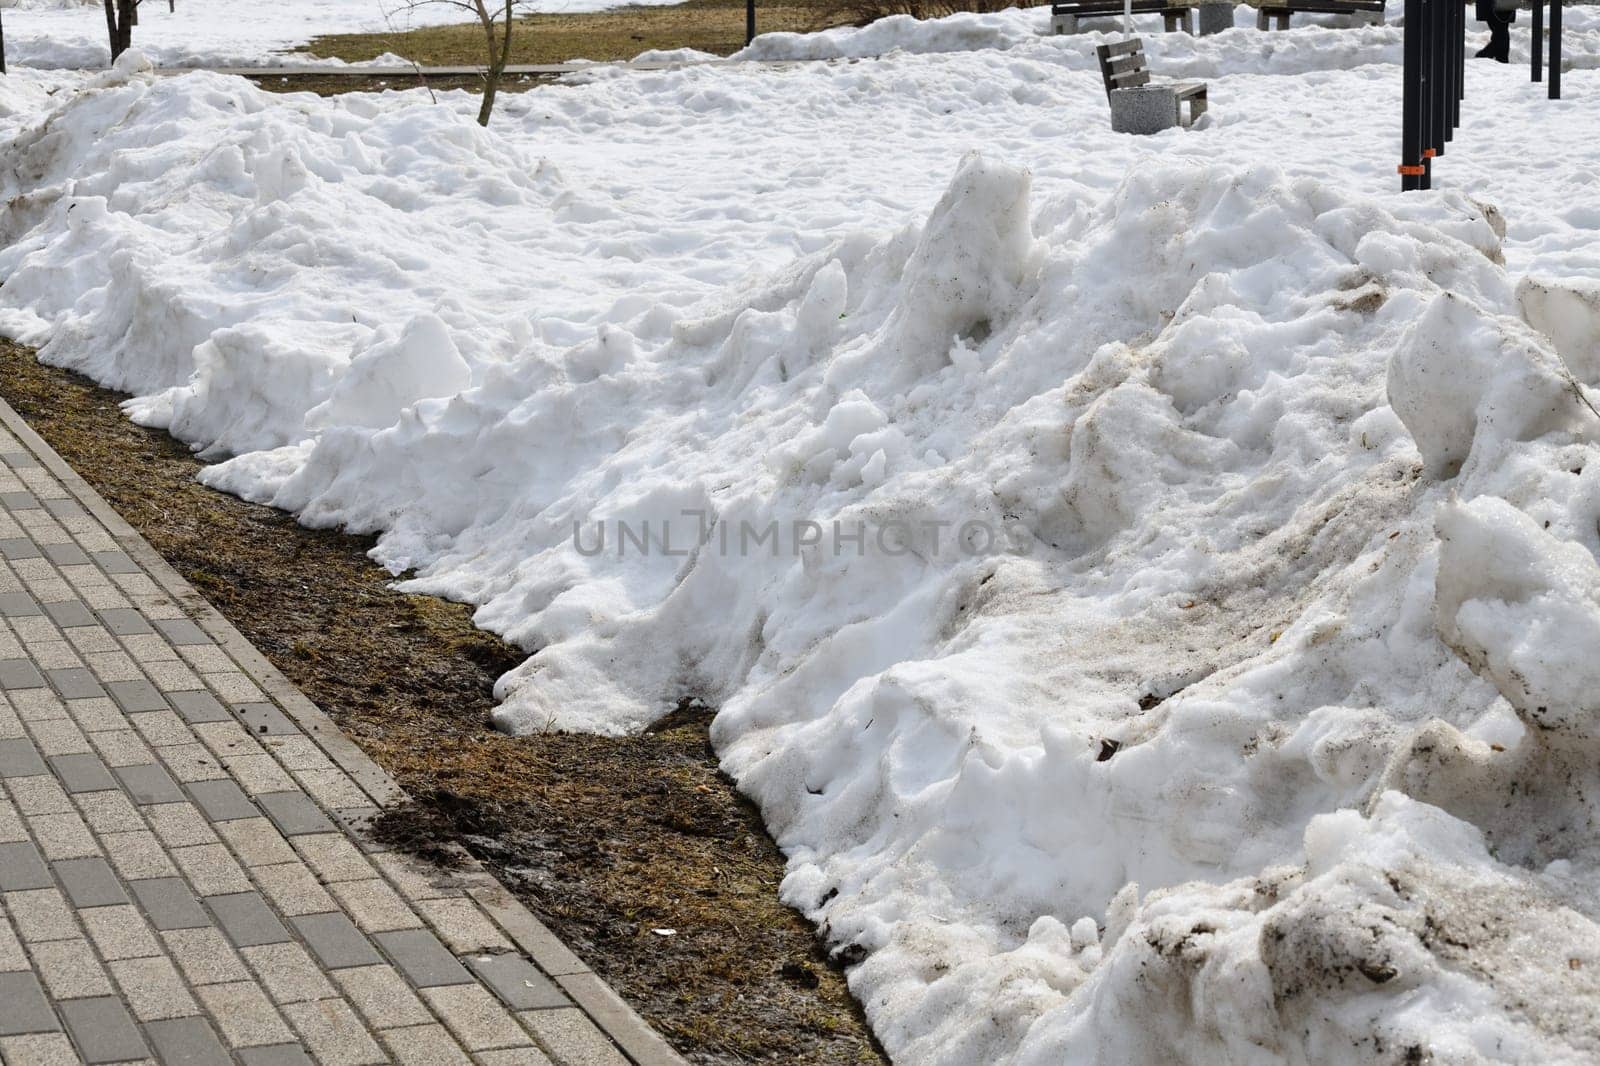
(183, 875)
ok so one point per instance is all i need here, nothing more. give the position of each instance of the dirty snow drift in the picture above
(1152, 600)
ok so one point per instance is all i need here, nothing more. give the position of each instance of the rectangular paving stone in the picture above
(19, 674)
(162, 729)
(294, 889)
(59, 736)
(22, 868)
(247, 920)
(69, 613)
(41, 914)
(18, 548)
(19, 758)
(103, 1030)
(65, 508)
(427, 1045)
(115, 562)
(169, 904)
(198, 707)
(19, 501)
(294, 813)
(463, 926)
(181, 631)
(82, 773)
(375, 907)
(124, 621)
(333, 1034)
(136, 696)
(333, 857)
(39, 794)
(476, 1017)
(119, 933)
(23, 1008)
(573, 1037)
(99, 715)
(259, 773)
(263, 719)
(244, 1014)
(65, 554)
(257, 842)
(336, 941)
(288, 972)
(109, 812)
(222, 801)
(90, 882)
(179, 825)
(420, 956)
(186, 1041)
(63, 836)
(122, 747)
(148, 784)
(70, 970)
(153, 988)
(205, 956)
(518, 982)
(76, 683)
(382, 996)
(211, 869)
(137, 855)
(16, 458)
(18, 605)
(192, 762)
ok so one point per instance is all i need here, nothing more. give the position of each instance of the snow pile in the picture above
(1148, 599)
(1327, 42)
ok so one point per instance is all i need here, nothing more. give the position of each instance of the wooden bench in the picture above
(1369, 12)
(1123, 66)
(1064, 16)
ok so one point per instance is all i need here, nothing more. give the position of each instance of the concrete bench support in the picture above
(1216, 17)
(1144, 109)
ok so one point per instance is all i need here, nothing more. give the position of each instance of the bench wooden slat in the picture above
(1323, 7)
(1085, 8)
(1123, 48)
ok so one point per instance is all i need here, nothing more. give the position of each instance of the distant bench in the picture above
(1365, 11)
(1123, 66)
(1064, 16)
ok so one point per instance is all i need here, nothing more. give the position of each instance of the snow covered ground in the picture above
(1149, 584)
(219, 33)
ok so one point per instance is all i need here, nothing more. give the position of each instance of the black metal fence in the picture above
(1435, 79)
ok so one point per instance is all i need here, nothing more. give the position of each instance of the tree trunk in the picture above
(120, 18)
(499, 59)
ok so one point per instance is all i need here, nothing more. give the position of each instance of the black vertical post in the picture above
(1429, 114)
(1555, 49)
(1538, 40)
(1458, 42)
(1444, 73)
(2, 45)
(749, 21)
(1411, 99)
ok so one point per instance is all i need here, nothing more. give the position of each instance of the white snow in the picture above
(223, 33)
(1149, 585)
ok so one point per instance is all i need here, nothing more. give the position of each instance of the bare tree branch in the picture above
(498, 19)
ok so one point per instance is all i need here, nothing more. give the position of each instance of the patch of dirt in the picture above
(605, 839)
